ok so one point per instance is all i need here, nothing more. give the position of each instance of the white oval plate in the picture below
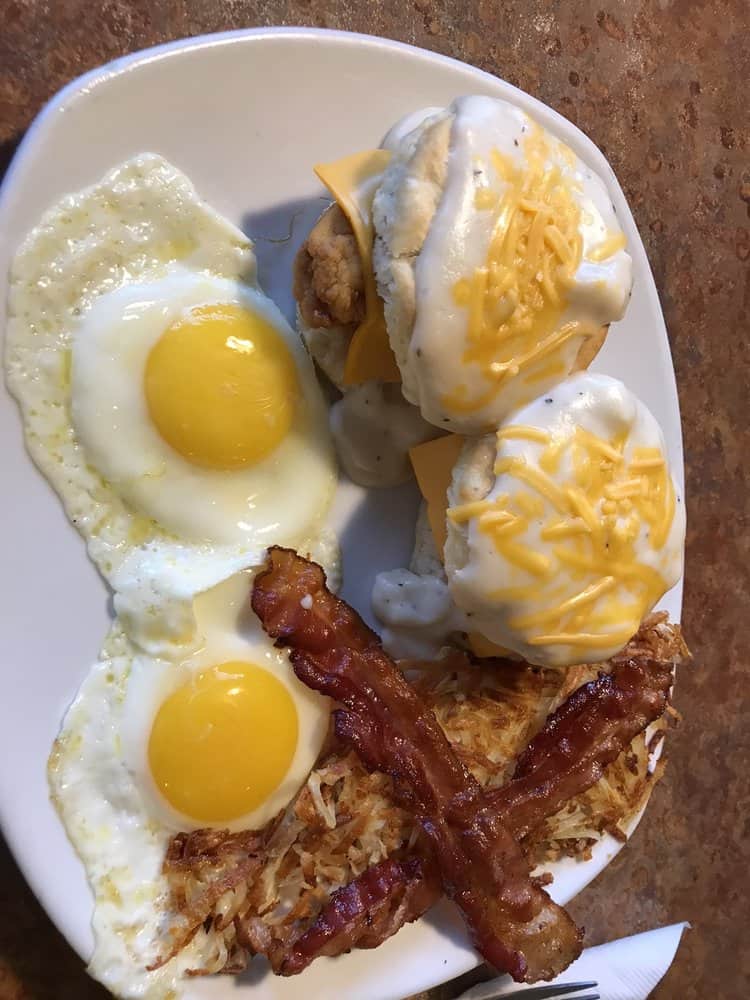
(245, 115)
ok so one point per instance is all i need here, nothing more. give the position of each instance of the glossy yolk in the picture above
(221, 387)
(222, 743)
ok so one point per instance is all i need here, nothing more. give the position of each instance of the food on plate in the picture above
(600, 719)
(192, 874)
(499, 261)
(374, 429)
(340, 317)
(222, 737)
(465, 272)
(565, 527)
(513, 922)
(339, 307)
(499, 258)
(469, 832)
(562, 530)
(163, 394)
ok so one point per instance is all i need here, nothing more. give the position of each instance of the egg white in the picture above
(159, 531)
(244, 506)
(113, 813)
(122, 851)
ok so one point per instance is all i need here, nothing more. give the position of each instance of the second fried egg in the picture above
(221, 736)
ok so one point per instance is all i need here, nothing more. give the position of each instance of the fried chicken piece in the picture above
(328, 281)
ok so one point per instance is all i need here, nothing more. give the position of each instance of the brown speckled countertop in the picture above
(660, 85)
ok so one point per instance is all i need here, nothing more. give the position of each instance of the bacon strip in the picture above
(569, 755)
(362, 914)
(586, 733)
(366, 912)
(514, 923)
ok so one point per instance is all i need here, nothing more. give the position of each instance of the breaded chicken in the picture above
(328, 281)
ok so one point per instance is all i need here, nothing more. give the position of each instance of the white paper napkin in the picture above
(628, 969)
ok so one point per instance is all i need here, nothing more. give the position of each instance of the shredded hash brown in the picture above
(256, 892)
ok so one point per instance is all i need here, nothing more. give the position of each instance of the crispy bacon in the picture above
(586, 733)
(366, 912)
(514, 923)
(569, 755)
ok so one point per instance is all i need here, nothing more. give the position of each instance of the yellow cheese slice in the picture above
(483, 648)
(353, 181)
(433, 464)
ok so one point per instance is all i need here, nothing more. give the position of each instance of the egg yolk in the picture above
(222, 743)
(221, 387)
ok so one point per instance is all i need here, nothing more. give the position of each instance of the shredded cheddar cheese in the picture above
(516, 299)
(593, 520)
(609, 247)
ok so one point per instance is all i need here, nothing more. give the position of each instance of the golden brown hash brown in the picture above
(246, 892)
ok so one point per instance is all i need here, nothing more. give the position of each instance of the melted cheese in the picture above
(516, 299)
(609, 247)
(433, 464)
(433, 467)
(353, 181)
(582, 532)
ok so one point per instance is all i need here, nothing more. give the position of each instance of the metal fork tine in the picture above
(553, 992)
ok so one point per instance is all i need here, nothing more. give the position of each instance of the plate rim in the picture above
(86, 83)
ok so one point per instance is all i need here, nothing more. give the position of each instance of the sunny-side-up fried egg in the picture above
(222, 737)
(163, 394)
